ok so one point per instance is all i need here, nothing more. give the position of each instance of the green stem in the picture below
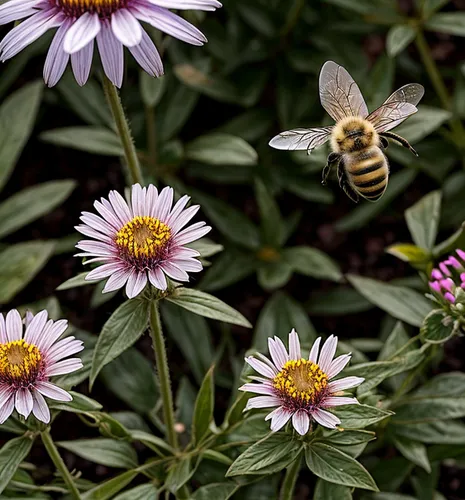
(163, 373)
(122, 127)
(54, 454)
(287, 488)
(439, 86)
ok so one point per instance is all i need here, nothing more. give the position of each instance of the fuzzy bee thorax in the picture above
(353, 134)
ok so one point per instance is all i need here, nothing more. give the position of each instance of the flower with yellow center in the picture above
(141, 241)
(300, 388)
(28, 360)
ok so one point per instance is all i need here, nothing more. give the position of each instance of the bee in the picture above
(358, 139)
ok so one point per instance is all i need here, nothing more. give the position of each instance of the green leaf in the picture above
(206, 305)
(312, 262)
(360, 416)
(450, 384)
(120, 332)
(413, 451)
(439, 432)
(438, 327)
(273, 275)
(423, 123)
(409, 253)
(179, 474)
(151, 89)
(452, 23)
(19, 264)
(12, 453)
(343, 437)
(423, 220)
(330, 491)
(203, 411)
(221, 149)
(74, 282)
(337, 301)
(141, 492)
(401, 302)
(421, 410)
(395, 341)
(334, 466)
(271, 220)
(428, 7)
(206, 247)
(107, 489)
(218, 491)
(108, 452)
(399, 38)
(155, 443)
(94, 140)
(136, 388)
(17, 116)
(31, 203)
(271, 454)
(278, 317)
(79, 404)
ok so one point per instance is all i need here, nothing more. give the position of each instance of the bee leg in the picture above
(399, 139)
(333, 159)
(383, 142)
(344, 183)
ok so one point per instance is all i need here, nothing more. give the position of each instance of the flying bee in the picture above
(358, 138)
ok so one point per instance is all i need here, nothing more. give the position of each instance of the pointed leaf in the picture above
(423, 220)
(452, 23)
(151, 89)
(330, 491)
(107, 489)
(398, 38)
(413, 451)
(12, 453)
(360, 416)
(203, 411)
(312, 262)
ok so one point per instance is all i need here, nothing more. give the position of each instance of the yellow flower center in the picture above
(143, 236)
(301, 380)
(79, 7)
(19, 361)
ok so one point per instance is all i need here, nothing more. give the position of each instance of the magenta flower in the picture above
(28, 361)
(112, 23)
(141, 241)
(450, 277)
(301, 389)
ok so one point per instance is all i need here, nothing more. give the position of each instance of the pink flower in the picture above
(141, 241)
(300, 388)
(28, 361)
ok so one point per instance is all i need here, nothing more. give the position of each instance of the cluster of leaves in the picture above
(256, 50)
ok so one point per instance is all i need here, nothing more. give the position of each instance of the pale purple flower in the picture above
(30, 354)
(141, 241)
(301, 389)
(450, 276)
(113, 24)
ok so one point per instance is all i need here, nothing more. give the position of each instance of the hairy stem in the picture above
(54, 454)
(287, 488)
(163, 372)
(122, 127)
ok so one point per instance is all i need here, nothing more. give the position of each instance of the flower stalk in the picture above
(161, 359)
(55, 456)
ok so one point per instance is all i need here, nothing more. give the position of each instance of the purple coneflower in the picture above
(140, 241)
(113, 23)
(450, 276)
(300, 388)
(28, 361)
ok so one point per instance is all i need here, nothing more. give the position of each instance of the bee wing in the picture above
(339, 94)
(301, 138)
(397, 107)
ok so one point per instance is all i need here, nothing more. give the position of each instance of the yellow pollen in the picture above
(19, 360)
(143, 236)
(302, 380)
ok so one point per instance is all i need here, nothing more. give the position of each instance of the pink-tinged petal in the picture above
(82, 32)
(184, 253)
(177, 210)
(449, 297)
(126, 28)
(337, 365)
(454, 262)
(327, 353)
(435, 286)
(158, 279)
(3, 337)
(182, 219)
(262, 402)
(138, 200)
(105, 209)
(96, 247)
(36, 326)
(146, 54)
(460, 253)
(120, 207)
(116, 281)
(64, 348)
(28, 317)
(436, 274)
(64, 367)
(81, 63)
(16, 9)
(7, 408)
(57, 59)
(29, 31)
(104, 271)
(14, 326)
(40, 408)
(92, 233)
(188, 4)
(136, 283)
(111, 55)
(339, 401)
(23, 402)
(151, 197)
(50, 335)
(33, 336)
(261, 367)
(447, 284)
(301, 422)
(52, 391)
(294, 345)
(5, 392)
(174, 272)
(278, 352)
(164, 204)
(279, 418)
(192, 233)
(313, 356)
(266, 389)
(326, 419)
(345, 383)
(444, 269)
(99, 224)
(189, 265)
(170, 23)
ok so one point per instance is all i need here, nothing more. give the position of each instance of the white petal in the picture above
(279, 418)
(36, 326)
(266, 389)
(294, 345)
(278, 352)
(23, 402)
(325, 418)
(7, 408)
(327, 353)
(261, 367)
(339, 401)
(40, 408)
(64, 367)
(313, 356)
(337, 365)
(126, 28)
(82, 32)
(344, 383)
(301, 422)
(136, 283)
(14, 326)
(52, 391)
(188, 4)
(262, 402)
(3, 337)
(116, 281)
